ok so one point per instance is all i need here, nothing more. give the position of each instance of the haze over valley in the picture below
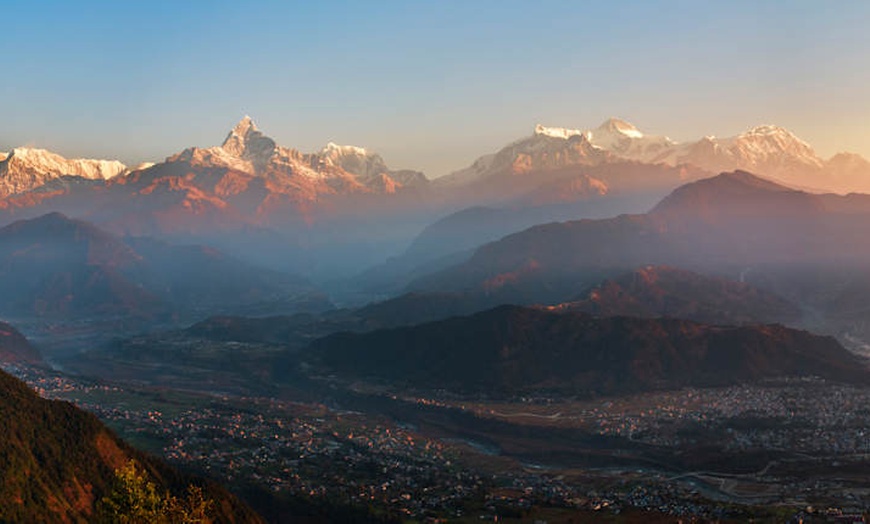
(444, 275)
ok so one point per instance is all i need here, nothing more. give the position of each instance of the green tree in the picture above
(134, 499)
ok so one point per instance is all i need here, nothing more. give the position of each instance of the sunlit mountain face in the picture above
(334, 339)
(385, 262)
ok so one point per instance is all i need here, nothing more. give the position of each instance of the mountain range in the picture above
(768, 150)
(273, 204)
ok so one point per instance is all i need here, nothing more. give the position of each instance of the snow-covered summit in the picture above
(556, 132)
(776, 139)
(24, 169)
(332, 149)
(46, 162)
(627, 141)
(248, 143)
(334, 169)
(615, 125)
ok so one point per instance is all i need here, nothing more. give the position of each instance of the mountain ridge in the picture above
(513, 350)
(721, 224)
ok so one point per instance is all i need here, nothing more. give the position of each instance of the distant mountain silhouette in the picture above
(722, 224)
(60, 267)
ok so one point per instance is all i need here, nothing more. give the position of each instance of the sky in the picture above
(430, 85)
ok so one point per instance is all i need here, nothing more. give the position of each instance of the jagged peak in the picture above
(246, 140)
(245, 125)
(238, 135)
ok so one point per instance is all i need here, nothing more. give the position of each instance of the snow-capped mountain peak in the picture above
(775, 135)
(556, 132)
(768, 130)
(772, 140)
(51, 163)
(244, 126)
(332, 149)
(615, 125)
(627, 141)
(246, 141)
(26, 168)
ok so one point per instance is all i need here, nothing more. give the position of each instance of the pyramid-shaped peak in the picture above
(616, 125)
(245, 125)
(246, 140)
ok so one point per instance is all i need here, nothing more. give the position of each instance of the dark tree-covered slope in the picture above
(57, 462)
(509, 350)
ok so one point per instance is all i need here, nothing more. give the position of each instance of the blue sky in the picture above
(430, 85)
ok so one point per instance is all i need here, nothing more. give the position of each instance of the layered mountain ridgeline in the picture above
(512, 350)
(297, 330)
(725, 224)
(452, 239)
(236, 344)
(234, 353)
(15, 348)
(660, 291)
(60, 464)
(58, 267)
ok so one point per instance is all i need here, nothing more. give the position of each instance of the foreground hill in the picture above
(512, 350)
(59, 462)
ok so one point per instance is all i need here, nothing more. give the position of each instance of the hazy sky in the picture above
(431, 85)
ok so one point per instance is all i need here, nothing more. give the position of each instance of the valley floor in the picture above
(767, 451)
